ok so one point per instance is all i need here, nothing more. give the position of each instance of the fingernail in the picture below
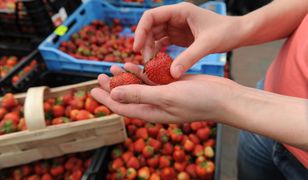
(179, 69)
(117, 95)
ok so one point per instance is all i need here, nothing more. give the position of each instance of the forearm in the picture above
(282, 118)
(273, 21)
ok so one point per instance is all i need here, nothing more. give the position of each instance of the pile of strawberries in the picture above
(100, 42)
(7, 63)
(69, 167)
(167, 152)
(7, 4)
(72, 106)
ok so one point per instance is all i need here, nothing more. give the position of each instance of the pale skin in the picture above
(202, 97)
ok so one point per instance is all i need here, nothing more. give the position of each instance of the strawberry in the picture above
(200, 159)
(186, 128)
(117, 163)
(133, 162)
(91, 104)
(131, 129)
(154, 143)
(8, 101)
(126, 156)
(201, 169)
(73, 114)
(183, 176)
(139, 145)
(196, 125)
(210, 167)
(158, 69)
(76, 174)
(198, 151)
(155, 176)
(153, 129)
(210, 142)
(138, 122)
(203, 133)
(26, 170)
(147, 151)
(180, 166)
(168, 173)
(101, 111)
(76, 103)
(7, 126)
(188, 145)
(60, 120)
(194, 139)
(142, 160)
(153, 162)
(176, 135)
(167, 149)
(84, 115)
(131, 173)
(144, 173)
(164, 161)
(116, 152)
(142, 133)
(58, 110)
(3, 111)
(47, 107)
(46, 177)
(120, 173)
(191, 170)
(33, 177)
(209, 152)
(179, 156)
(124, 79)
(12, 116)
(68, 97)
(163, 135)
(57, 170)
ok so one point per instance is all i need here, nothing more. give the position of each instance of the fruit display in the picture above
(69, 167)
(157, 151)
(7, 63)
(101, 42)
(7, 4)
(72, 106)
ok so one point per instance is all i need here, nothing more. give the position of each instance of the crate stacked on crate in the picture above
(142, 3)
(26, 22)
(85, 44)
(46, 123)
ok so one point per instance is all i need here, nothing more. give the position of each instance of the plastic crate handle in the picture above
(34, 111)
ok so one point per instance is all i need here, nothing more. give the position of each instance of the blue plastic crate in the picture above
(146, 3)
(56, 60)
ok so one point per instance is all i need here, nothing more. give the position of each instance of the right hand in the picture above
(202, 31)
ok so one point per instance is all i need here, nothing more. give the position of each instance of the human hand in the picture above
(191, 98)
(202, 31)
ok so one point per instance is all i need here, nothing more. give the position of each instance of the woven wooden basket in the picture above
(42, 142)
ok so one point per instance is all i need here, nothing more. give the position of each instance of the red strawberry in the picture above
(155, 144)
(3, 111)
(168, 173)
(101, 111)
(84, 115)
(194, 139)
(142, 133)
(188, 145)
(183, 176)
(131, 173)
(60, 120)
(210, 142)
(176, 135)
(200, 159)
(57, 170)
(210, 167)
(124, 79)
(158, 69)
(77, 103)
(164, 161)
(138, 122)
(12, 116)
(142, 160)
(198, 151)
(68, 97)
(147, 151)
(131, 129)
(126, 156)
(153, 162)
(8, 101)
(144, 173)
(167, 149)
(180, 166)
(91, 104)
(120, 173)
(204, 133)
(179, 156)
(201, 169)
(196, 125)
(163, 135)
(117, 163)
(153, 129)
(58, 110)
(191, 170)
(139, 145)
(46, 177)
(133, 162)
(155, 176)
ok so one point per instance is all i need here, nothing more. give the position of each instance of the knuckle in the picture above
(167, 99)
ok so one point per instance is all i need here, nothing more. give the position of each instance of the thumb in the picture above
(188, 58)
(136, 94)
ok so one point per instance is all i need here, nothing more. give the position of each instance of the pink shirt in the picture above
(288, 74)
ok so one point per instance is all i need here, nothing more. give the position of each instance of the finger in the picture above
(141, 111)
(188, 58)
(161, 44)
(104, 80)
(137, 94)
(138, 72)
(149, 47)
(150, 19)
(115, 70)
(159, 32)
